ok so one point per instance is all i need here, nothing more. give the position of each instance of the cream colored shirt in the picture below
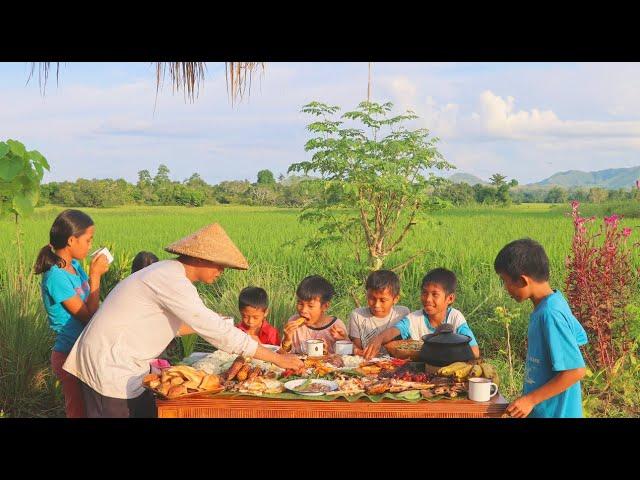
(135, 324)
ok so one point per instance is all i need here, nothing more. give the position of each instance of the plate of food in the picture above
(311, 387)
(182, 381)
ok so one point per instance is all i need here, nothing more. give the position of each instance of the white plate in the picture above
(290, 385)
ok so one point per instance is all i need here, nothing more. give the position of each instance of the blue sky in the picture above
(525, 120)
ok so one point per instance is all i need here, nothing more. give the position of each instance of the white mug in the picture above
(104, 251)
(344, 347)
(480, 389)
(315, 348)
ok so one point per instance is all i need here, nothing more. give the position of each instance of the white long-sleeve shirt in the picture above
(136, 322)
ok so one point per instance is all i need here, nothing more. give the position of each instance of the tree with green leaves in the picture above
(556, 195)
(21, 172)
(497, 179)
(377, 177)
(265, 178)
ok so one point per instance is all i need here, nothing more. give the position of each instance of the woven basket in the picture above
(395, 351)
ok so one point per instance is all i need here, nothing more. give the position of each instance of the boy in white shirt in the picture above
(438, 293)
(382, 313)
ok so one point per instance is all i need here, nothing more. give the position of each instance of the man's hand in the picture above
(521, 407)
(338, 333)
(289, 361)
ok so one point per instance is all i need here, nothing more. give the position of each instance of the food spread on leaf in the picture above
(351, 373)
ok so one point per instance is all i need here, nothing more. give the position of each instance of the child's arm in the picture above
(84, 310)
(522, 407)
(376, 343)
(476, 351)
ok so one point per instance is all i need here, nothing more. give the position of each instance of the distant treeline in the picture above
(465, 194)
(292, 191)
(159, 189)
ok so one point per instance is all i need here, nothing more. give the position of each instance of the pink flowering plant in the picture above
(600, 285)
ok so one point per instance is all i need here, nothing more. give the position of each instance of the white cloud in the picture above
(498, 118)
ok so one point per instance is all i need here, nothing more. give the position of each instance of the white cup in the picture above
(104, 251)
(315, 348)
(344, 347)
(480, 389)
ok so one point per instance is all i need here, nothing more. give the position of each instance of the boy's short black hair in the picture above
(442, 277)
(315, 286)
(141, 260)
(523, 257)
(255, 297)
(382, 279)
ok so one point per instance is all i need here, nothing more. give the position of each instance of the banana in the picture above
(463, 373)
(476, 371)
(489, 372)
(450, 370)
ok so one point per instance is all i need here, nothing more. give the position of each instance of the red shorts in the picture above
(73, 400)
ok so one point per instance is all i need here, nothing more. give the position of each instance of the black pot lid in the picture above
(444, 335)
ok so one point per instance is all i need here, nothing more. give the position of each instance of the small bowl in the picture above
(412, 354)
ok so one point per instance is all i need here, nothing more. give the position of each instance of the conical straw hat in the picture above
(210, 243)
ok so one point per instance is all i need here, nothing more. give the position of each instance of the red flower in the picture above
(626, 232)
(612, 220)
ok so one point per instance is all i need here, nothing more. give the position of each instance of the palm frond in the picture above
(43, 73)
(239, 75)
(185, 76)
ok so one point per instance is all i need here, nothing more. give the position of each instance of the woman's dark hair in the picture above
(523, 257)
(446, 279)
(315, 286)
(70, 223)
(255, 297)
(383, 279)
(141, 260)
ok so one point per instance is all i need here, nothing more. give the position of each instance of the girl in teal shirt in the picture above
(70, 296)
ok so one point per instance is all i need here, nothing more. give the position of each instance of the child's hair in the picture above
(141, 260)
(70, 223)
(382, 279)
(255, 297)
(315, 286)
(442, 277)
(523, 257)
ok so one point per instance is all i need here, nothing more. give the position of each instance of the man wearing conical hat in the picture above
(144, 312)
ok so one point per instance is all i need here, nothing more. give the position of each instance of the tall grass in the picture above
(28, 386)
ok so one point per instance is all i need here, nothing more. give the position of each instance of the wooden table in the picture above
(256, 407)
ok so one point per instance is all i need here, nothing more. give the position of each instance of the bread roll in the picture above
(210, 382)
(154, 384)
(191, 384)
(176, 391)
(152, 377)
(177, 381)
(165, 377)
(164, 387)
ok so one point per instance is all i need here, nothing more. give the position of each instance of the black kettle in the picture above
(445, 347)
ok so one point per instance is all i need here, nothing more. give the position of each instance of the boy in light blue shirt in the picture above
(554, 364)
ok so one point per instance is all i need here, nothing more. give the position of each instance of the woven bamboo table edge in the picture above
(256, 407)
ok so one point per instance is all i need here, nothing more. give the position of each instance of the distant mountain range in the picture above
(612, 178)
(466, 178)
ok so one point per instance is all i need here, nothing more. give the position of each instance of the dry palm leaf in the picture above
(188, 76)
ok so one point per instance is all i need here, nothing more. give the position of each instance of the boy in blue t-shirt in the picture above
(554, 364)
